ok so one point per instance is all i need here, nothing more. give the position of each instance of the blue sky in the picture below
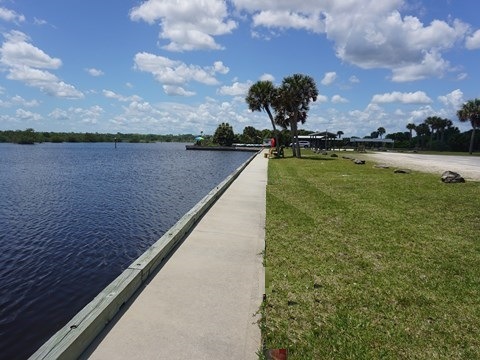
(177, 66)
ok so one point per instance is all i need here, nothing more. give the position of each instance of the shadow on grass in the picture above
(313, 157)
(307, 157)
(310, 157)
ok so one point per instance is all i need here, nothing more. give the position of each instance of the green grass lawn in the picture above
(362, 263)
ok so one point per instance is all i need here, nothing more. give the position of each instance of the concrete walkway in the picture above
(201, 304)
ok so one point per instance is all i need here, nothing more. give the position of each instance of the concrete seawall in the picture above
(79, 333)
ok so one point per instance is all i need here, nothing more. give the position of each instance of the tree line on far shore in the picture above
(30, 136)
(224, 135)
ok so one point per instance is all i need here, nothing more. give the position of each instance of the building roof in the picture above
(321, 134)
(387, 141)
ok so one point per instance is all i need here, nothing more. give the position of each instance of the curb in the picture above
(74, 338)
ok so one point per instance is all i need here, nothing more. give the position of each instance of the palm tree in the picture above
(292, 104)
(260, 97)
(422, 130)
(470, 111)
(442, 125)
(434, 123)
(339, 134)
(411, 127)
(381, 131)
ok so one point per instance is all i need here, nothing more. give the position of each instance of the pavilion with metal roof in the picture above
(361, 144)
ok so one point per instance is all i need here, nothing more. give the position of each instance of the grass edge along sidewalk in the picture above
(363, 263)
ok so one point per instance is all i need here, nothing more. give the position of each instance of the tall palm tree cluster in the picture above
(290, 103)
(378, 133)
(470, 111)
(436, 127)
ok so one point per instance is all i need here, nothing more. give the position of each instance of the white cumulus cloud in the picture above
(267, 77)
(369, 33)
(10, 15)
(58, 114)
(236, 89)
(288, 19)
(337, 99)
(473, 42)
(453, 100)
(187, 25)
(112, 95)
(418, 97)
(94, 72)
(175, 75)
(353, 79)
(220, 68)
(329, 78)
(27, 115)
(17, 99)
(17, 51)
(174, 90)
(89, 115)
(27, 63)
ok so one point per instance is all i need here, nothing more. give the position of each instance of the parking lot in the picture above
(467, 166)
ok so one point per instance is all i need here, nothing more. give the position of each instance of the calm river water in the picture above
(74, 216)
